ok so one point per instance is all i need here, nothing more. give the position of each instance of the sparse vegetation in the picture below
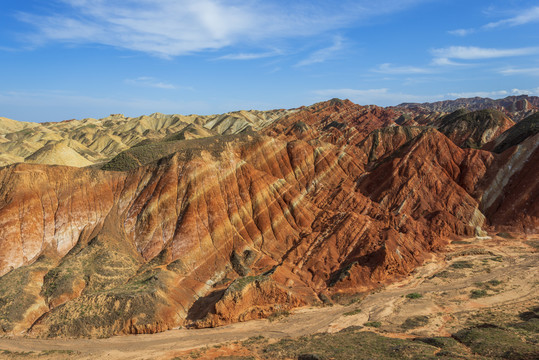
(414, 295)
(279, 314)
(348, 346)
(415, 322)
(460, 242)
(533, 243)
(505, 235)
(353, 312)
(374, 324)
(478, 293)
(493, 341)
(462, 265)
(254, 339)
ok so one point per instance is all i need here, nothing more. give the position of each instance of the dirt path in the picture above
(506, 269)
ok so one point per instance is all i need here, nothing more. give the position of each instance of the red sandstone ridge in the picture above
(329, 199)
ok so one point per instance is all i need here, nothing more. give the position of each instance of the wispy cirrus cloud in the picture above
(469, 94)
(323, 54)
(169, 28)
(249, 56)
(461, 32)
(526, 16)
(476, 53)
(533, 71)
(388, 68)
(148, 81)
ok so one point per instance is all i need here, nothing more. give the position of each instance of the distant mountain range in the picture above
(516, 107)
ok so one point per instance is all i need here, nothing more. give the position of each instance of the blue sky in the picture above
(64, 59)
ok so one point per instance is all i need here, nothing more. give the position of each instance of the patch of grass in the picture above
(505, 235)
(494, 282)
(498, 258)
(533, 243)
(415, 322)
(461, 242)
(374, 324)
(444, 274)
(58, 352)
(254, 339)
(279, 314)
(478, 293)
(16, 293)
(414, 295)
(468, 252)
(462, 265)
(450, 348)
(360, 345)
(493, 341)
(353, 312)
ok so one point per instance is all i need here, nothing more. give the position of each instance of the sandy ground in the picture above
(506, 269)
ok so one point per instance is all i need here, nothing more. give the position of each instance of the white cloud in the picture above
(147, 81)
(323, 54)
(442, 61)
(525, 92)
(470, 94)
(520, 71)
(475, 53)
(169, 28)
(525, 17)
(461, 32)
(388, 68)
(248, 56)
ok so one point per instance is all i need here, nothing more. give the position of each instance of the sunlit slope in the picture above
(91, 141)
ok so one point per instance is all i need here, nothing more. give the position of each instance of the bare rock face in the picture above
(473, 129)
(329, 199)
(250, 298)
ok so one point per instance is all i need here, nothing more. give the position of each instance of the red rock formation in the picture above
(333, 202)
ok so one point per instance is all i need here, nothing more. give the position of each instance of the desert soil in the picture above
(479, 279)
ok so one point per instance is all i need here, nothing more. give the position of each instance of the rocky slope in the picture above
(93, 141)
(473, 129)
(190, 228)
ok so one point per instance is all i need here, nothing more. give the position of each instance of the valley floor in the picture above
(490, 280)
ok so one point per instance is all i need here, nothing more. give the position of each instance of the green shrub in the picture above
(353, 312)
(414, 295)
(374, 324)
(415, 321)
(462, 265)
(476, 293)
